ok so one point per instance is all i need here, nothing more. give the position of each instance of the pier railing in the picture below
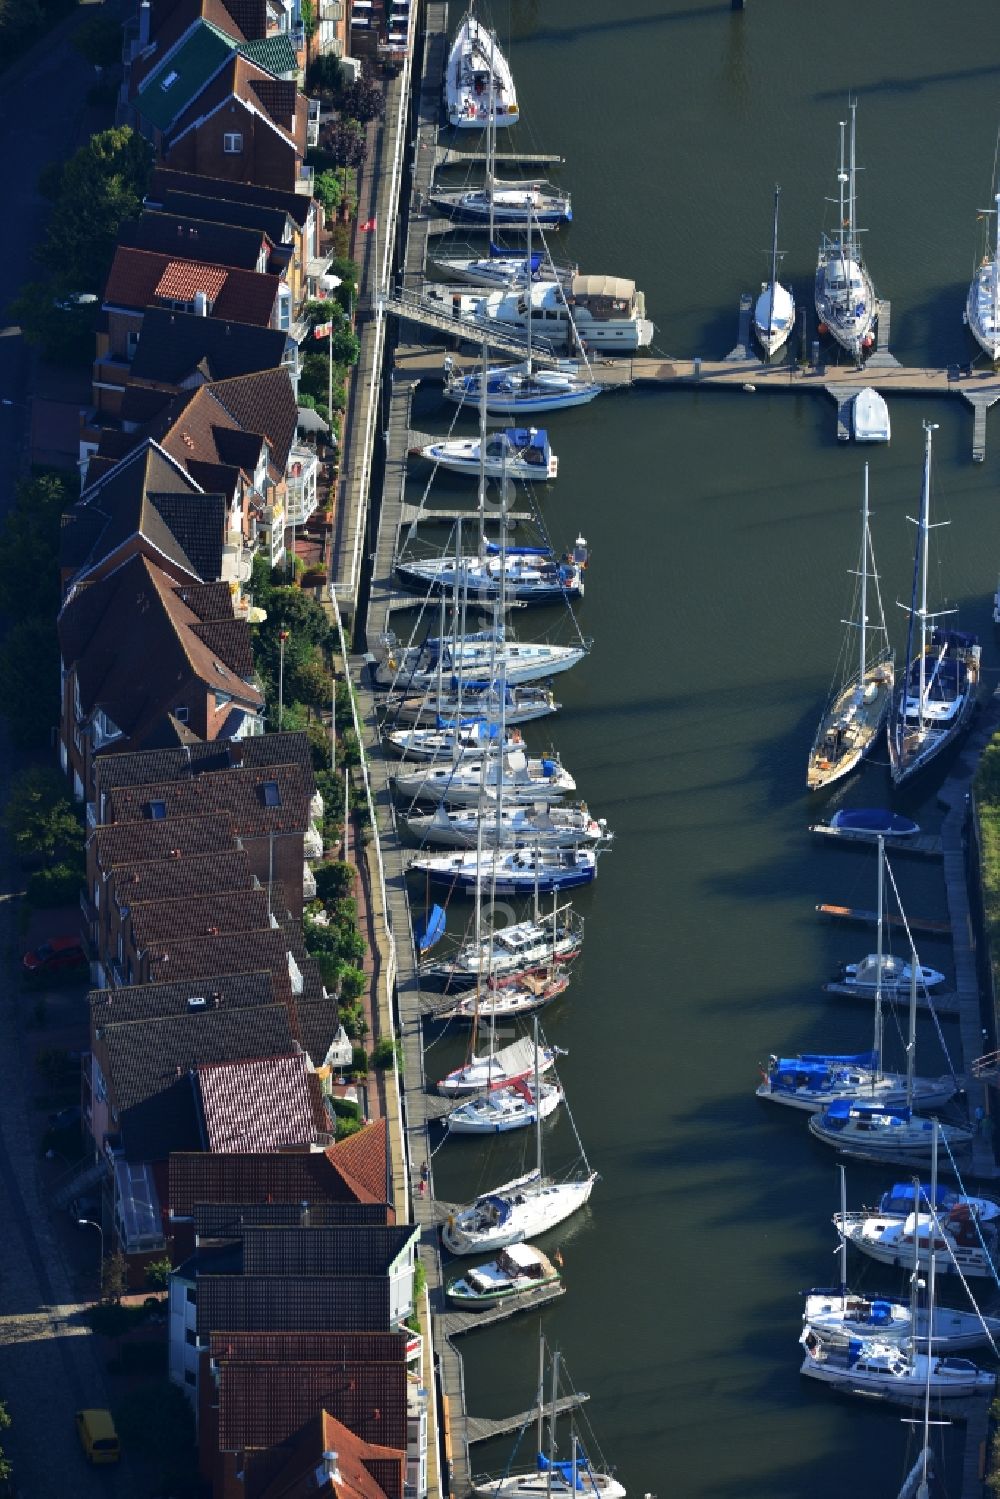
(476, 330)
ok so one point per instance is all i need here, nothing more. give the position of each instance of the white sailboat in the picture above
(846, 305)
(774, 310)
(517, 1103)
(521, 948)
(478, 81)
(517, 452)
(937, 696)
(840, 1315)
(508, 998)
(520, 704)
(543, 826)
(508, 779)
(862, 693)
(458, 741)
(513, 1063)
(881, 1367)
(814, 1081)
(982, 305)
(419, 668)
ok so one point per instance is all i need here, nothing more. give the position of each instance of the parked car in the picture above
(58, 955)
(98, 1436)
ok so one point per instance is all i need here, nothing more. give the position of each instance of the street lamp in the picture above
(89, 1223)
(282, 637)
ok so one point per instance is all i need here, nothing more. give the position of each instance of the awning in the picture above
(311, 421)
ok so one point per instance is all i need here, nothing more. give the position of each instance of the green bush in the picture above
(353, 983)
(348, 1127)
(359, 1062)
(99, 41)
(40, 819)
(158, 1273)
(344, 1108)
(386, 1052)
(327, 189)
(334, 881)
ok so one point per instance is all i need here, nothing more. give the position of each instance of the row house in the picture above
(141, 932)
(179, 351)
(324, 1459)
(110, 632)
(147, 504)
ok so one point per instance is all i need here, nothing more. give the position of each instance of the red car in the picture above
(58, 955)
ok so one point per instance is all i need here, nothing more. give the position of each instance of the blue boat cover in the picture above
(873, 820)
(880, 1314)
(901, 1197)
(830, 1059)
(493, 549)
(527, 437)
(501, 1208)
(959, 640)
(549, 767)
(497, 252)
(565, 1469)
(430, 929)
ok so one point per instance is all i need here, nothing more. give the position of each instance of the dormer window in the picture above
(157, 811)
(271, 793)
(170, 80)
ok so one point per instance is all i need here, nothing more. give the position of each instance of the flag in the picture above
(322, 330)
(370, 224)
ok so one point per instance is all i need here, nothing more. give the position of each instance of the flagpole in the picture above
(329, 375)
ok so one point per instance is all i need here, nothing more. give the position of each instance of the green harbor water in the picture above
(722, 527)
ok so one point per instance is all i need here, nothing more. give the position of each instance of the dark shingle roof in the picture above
(116, 507)
(159, 921)
(307, 1347)
(273, 222)
(240, 952)
(293, 1303)
(293, 1469)
(259, 752)
(277, 96)
(296, 205)
(241, 791)
(189, 238)
(135, 842)
(146, 1056)
(139, 278)
(260, 1404)
(227, 1221)
(230, 991)
(180, 878)
(320, 1176)
(316, 1251)
(172, 345)
(263, 403)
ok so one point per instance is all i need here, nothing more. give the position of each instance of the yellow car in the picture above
(98, 1437)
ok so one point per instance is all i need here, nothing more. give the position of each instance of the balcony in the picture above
(237, 563)
(303, 475)
(304, 184)
(331, 10)
(312, 127)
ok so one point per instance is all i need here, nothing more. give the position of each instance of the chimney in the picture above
(303, 1215)
(330, 1468)
(144, 14)
(200, 304)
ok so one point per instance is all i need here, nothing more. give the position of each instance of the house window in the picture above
(156, 810)
(181, 714)
(271, 793)
(221, 699)
(131, 344)
(284, 308)
(232, 143)
(170, 80)
(191, 1337)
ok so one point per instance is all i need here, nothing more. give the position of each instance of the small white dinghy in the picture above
(870, 417)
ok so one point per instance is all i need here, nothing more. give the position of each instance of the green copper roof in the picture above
(181, 77)
(275, 54)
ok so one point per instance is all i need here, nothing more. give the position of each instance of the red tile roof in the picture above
(182, 278)
(135, 278)
(326, 1458)
(258, 1106)
(260, 1404)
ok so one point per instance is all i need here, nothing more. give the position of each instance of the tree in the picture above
(114, 1277)
(362, 100)
(346, 347)
(99, 41)
(309, 18)
(326, 75)
(158, 1273)
(327, 190)
(40, 818)
(29, 669)
(345, 143)
(93, 194)
(29, 546)
(334, 880)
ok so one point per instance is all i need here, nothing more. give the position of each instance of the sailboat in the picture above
(511, 827)
(839, 1315)
(552, 1478)
(501, 268)
(520, 948)
(508, 998)
(532, 574)
(937, 696)
(516, 871)
(510, 778)
(516, 388)
(982, 305)
(509, 1104)
(477, 699)
(814, 1081)
(967, 1228)
(513, 1063)
(774, 311)
(421, 667)
(478, 83)
(517, 452)
(504, 203)
(879, 1366)
(861, 698)
(457, 741)
(846, 305)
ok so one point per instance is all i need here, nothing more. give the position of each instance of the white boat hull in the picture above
(851, 726)
(485, 1116)
(839, 1317)
(462, 457)
(533, 1209)
(890, 1090)
(982, 309)
(551, 1486)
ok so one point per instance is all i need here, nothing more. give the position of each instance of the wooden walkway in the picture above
(924, 924)
(453, 1324)
(977, 1428)
(926, 845)
(483, 1430)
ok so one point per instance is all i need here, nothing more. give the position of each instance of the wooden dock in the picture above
(481, 1429)
(927, 926)
(743, 351)
(448, 156)
(454, 1324)
(942, 1004)
(976, 1415)
(925, 845)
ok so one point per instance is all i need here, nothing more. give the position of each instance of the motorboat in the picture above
(510, 778)
(516, 1271)
(460, 741)
(982, 305)
(510, 827)
(514, 453)
(607, 313)
(508, 1107)
(937, 697)
(774, 310)
(870, 417)
(517, 871)
(878, 1367)
(861, 695)
(846, 305)
(889, 973)
(873, 822)
(478, 84)
(901, 1199)
(517, 949)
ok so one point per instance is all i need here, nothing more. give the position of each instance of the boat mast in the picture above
(552, 1419)
(541, 1392)
(996, 273)
(774, 264)
(863, 622)
(851, 232)
(530, 284)
(914, 1275)
(879, 1028)
(491, 126)
(923, 1492)
(841, 181)
(924, 532)
(843, 1235)
(911, 1042)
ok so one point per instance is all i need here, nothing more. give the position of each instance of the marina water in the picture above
(722, 527)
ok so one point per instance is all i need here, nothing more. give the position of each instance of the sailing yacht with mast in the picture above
(846, 305)
(937, 696)
(837, 1316)
(861, 698)
(478, 84)
(774, 311)
(982, 305)
(814, 1081)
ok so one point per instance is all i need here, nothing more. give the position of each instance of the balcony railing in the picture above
(304, 185)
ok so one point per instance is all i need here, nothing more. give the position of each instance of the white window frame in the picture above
(232, 142)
